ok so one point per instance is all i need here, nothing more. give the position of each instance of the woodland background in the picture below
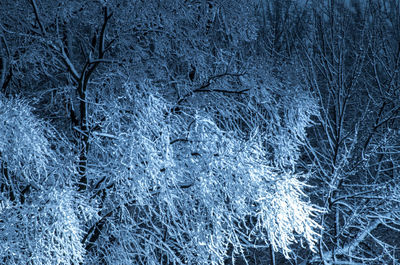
(200, 132)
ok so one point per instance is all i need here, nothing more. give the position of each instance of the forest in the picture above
(200, 132)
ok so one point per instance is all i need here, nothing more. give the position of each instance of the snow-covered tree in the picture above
(160, 135)
(352, 65)
(190, 187)
(39, 214)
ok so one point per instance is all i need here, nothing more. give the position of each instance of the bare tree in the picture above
(352, 67)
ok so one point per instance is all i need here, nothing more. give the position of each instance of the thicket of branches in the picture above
(199, 132)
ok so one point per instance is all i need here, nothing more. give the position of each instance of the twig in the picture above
(222, 91)
(208, 83)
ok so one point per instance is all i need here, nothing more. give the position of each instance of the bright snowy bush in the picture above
(44, 229)
(193, 186)
(39, 221)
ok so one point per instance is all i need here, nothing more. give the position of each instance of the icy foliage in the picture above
(188, 188)
(40, 216)
(23, 143)
(44, 230)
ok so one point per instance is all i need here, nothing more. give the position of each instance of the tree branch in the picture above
(222, 91)
(349, 248)
(102, 32)
(208, 83)
(71, 68)
(4, 59)
(37, 16)
(3, 62)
